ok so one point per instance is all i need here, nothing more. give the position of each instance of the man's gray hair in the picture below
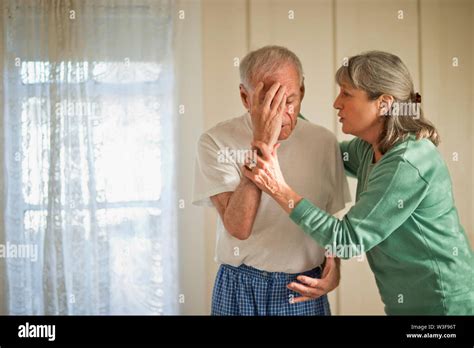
(258, 64)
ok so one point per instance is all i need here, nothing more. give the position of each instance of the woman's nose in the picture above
(337, 104)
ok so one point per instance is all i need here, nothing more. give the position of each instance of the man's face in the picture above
(286, 75)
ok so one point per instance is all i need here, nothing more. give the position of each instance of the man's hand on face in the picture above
(267, 114)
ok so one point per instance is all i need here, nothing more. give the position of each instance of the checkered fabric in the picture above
(246, 290)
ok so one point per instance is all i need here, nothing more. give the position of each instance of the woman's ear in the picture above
(385, 102)
(245, 97)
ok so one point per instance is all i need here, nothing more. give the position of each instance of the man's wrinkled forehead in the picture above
(292, 88)
(287, 75)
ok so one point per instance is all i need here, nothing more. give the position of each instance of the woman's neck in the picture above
(372, 137)
(377, 154)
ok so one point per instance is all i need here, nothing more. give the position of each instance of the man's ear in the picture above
(385, 102)
(302, 90)
(245, 97)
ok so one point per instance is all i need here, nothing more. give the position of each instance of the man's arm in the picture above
(238, 209)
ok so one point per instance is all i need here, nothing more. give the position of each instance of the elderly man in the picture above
(259, 249)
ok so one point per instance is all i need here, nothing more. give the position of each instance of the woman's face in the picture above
(358, 114)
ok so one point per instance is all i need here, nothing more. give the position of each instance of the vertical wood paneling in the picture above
(188, 58)
(309, 35)
(448, 91)
(224, 38)
(387, 25)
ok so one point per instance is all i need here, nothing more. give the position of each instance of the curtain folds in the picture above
(89, 134)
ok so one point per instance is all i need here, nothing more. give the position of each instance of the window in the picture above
(125, 161)
(89, 152)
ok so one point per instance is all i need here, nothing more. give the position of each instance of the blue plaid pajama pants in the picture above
(245, 290)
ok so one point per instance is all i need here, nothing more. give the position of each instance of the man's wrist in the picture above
(247, 182)
(264, 138)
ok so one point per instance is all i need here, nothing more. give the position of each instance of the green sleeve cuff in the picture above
(300, 210)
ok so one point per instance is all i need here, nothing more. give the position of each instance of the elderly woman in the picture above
(404, 217)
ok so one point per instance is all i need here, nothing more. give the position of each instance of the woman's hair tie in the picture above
(416, 97)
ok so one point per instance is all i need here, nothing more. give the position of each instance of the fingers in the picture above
(248, 174)
(253, 161)
(254, 175)
(305, 290)
(316, 284)
(330, 261)
(275, 148)
(330, 264)
(264, 149)
(282, 105)
(308, 281)
(301, 299)
(270, 94)
(277, 100)
(256, 95)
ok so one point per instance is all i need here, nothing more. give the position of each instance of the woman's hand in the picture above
(268, 177)
(311, 288)
(266, 173)
(267, 114)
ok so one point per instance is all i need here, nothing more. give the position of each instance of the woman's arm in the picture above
(287, 198)
(393, 192)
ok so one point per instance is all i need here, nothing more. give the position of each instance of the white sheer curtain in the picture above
(89, 134)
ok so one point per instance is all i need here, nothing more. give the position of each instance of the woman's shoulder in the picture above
(413, 150)
(420, 154)
(356, 145)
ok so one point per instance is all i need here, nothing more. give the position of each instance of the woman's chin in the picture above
(345, 129)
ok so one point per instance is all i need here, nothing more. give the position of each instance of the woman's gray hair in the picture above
(379, 73)
(258, 64)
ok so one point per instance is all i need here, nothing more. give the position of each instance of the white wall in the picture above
(192, 253)
(224, 38)
(321, 34)
(447, 90)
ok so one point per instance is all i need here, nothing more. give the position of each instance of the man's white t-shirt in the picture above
(311, 163)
